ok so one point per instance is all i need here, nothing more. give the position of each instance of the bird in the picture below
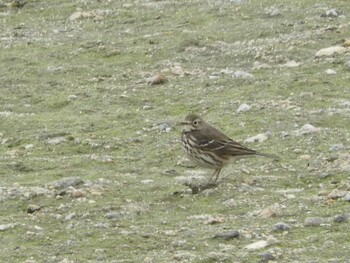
(210, 148)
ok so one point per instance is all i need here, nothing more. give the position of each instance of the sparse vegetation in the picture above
(74, 103)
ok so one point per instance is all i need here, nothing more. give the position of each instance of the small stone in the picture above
(70, 216)
(147, 107)
(268, 212)
(330, 72)
(330, 51)
(78, 193)
(257, 138)
(72, 97)
(178, 70)
(227, 235)
(337, 147)
(341, 218)
(306, 129)
(313, 221)
(243, 108)
(28, 146)
(164, 127)
(7, 226)
(56, 140)
(291, 64)
(267, 256)
(347, 64)
(305, 157)
(33, 208)
(65, 183)
(261, 244)
(242, 74)
(147, 181)
(330, 13)
(183, 256)
(281, 226)
(113, 215)
(156, 79)
(335, 194)
(213, 77)
(346, 198)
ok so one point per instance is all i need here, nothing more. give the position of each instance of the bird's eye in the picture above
(195, 122)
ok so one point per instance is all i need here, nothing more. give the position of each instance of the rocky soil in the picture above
(92, 94)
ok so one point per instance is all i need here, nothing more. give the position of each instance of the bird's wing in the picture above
(223, 145)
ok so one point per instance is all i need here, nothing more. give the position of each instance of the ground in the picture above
(91, 165)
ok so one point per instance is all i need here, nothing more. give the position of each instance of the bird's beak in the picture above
(185, 123)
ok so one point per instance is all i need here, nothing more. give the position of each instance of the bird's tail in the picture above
(272, 156)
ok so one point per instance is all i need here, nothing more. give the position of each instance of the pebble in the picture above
(65, 183)
(228, 235)
(113, 215)
(266, 257)
(324, 175)
(330, 72)
(330, 13)
(346, 198)
(183, 256)
(261, 137)
(213, 77)
(281, 226)
(164, 127)
(32, 208)
(305, 157)
(291, 64)
(242, 74)
(341, 218)
(56, 140)
(218, 257)
(337, 147)
(335, 194)
(306, 129)
(72, 97)
(243, 108)
(147, 107)
(313, 221)
(7, 226)
(70, 216)
(78, 193)
(268, 212)
(330, 51)
(28, 146)
(156, 79)
(261, 244)
(347, 64)
(178, 70)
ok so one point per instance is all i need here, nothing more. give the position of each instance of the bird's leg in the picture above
(216, 174)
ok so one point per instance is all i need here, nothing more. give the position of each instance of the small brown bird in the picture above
(210, 148)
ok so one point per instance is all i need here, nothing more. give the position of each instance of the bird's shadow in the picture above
(198, 188)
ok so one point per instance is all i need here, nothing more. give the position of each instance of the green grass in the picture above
(103, 61)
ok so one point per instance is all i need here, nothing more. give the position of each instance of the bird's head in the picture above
(192, 122)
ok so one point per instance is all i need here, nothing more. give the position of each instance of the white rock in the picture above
(306, 129)
(330, 51)
(243, 108)
(6, 226)
(261, 244)
(347, 64)
(330, 72)
(291, 64)
(257, 138)
(56, 140)
(28, 146)
(242, 74)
